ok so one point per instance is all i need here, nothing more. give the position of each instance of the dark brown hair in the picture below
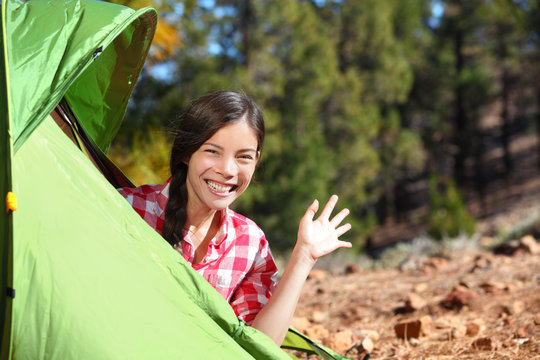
(204, 117)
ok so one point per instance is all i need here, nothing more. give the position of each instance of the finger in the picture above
(339, 217)
(329, 207)
(343, 229)
(312, 210)
(344, 244)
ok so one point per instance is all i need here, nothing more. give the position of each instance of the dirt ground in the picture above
(470, 304)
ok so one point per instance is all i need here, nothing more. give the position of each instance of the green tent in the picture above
(84, 276)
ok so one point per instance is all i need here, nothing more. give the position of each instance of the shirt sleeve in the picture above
(257, 286)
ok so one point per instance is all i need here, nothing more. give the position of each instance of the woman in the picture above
(214, 156)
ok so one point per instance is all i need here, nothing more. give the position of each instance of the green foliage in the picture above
(146, 160)
(358, 97)
(448, 215)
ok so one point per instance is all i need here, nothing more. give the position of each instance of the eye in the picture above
(246, 157)
(211, 151)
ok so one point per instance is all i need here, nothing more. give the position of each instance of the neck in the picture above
(200, 218)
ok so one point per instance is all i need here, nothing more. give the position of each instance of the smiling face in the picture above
(222, 168)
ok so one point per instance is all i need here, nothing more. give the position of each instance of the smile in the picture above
(223, 189)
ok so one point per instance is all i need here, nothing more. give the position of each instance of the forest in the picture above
(409, 110)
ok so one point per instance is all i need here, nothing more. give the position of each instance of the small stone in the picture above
(486, 241)
(459, 331)
(529, 244)
(414, 302)
(319, 316)
(408, 329)
(367, 345)
(421, 287)
(300, 324)
(481, 262)
(523, 332)
(317, 332)
(510, 248)
(475, 327)
(352, 269)
(316, 274)
(437, 262)
(427, 325)
(492, 286)
(458, 298)
(486, 343)
(515, 308)
(340, 341)
(372, 334)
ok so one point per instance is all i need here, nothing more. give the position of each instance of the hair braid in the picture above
(175, 211)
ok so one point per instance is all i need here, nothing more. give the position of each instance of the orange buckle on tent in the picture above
(11, 202)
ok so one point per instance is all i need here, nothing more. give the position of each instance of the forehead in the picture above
(237, 134)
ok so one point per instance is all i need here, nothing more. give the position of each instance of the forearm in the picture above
(276, 316)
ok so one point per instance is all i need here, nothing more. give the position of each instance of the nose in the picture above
(227, 166)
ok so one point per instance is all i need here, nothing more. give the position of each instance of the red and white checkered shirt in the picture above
(238, 263)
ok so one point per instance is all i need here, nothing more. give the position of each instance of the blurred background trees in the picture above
(408, 109)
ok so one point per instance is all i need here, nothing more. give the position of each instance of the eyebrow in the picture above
(221, 148)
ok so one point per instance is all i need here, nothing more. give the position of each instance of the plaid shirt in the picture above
(238, 263)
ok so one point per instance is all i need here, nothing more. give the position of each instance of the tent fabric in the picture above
(51, 43)
(6, 219)
(94, 280)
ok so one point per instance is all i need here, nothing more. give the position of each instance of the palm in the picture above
(320, 237)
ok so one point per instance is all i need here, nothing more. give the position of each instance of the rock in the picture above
(529, 244)
(481, 262)
(317, 332)
(515, 308)
(427, 325)
(523, 332)
(537, 319)
(414, 302)
(367, 345)
(316, 274)
(319, 316)
(458, 298)
(459, 331)
(437, 262)
(486, 241)
(475, 327)
(492, 286)
(301, 324)
(372, 334)
(486, 343)
(352, 269)
(421, 287)
(340, 342)
(433, 263)
(408, 329)
(510, 248)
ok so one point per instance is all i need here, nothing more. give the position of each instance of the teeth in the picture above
(219, 188)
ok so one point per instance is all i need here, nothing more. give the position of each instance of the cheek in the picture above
(199, 166)
(248, 173)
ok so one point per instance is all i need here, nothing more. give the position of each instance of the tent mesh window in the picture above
(67, 121)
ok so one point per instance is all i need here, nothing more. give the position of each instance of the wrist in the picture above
(302, 256)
